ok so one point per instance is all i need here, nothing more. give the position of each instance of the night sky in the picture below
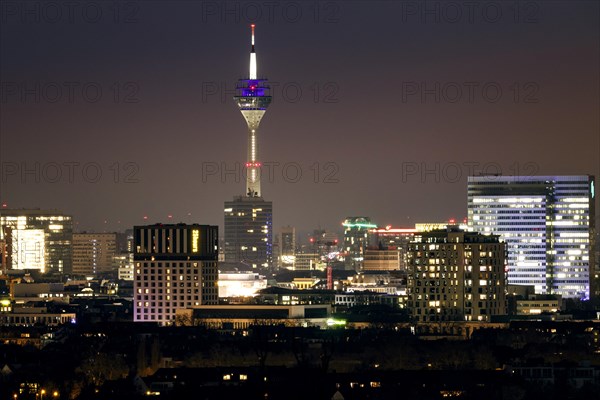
(162, 118)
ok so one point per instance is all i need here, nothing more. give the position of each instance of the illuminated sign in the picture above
(592, 189)
(359, 225)
(195, 240)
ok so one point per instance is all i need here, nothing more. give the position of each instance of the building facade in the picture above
(547, 223)
(37, 239)
(381, 260)
(240, 284)
(394, 239)
(94, 253)
(308, 262)
(456, 276)
(287, 247)
(356, 240)
(249, 233)
(175, 266)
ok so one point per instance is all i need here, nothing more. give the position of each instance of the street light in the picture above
(55, 394)
(43, 392)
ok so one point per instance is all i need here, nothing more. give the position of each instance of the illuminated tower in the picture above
(248, 243)
(253, 99)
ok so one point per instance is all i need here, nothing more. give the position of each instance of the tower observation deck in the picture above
(253, 99)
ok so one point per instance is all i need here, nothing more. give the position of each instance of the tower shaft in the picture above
(253, 100)
(253, 164)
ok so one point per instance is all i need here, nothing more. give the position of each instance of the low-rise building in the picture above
(243, 316)
(540, 304)
(240, 284)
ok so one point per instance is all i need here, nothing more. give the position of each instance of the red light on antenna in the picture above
(169, 216)
(4, 205)
(252, 25)
(145, 217)
(451, 221)
(312, 240)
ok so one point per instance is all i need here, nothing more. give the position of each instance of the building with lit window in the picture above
(547, 223)
(249, 233)
(308, 262)
(37, 239)
(381, 260)
(287, 247)
(324, 243)
(389, 238)
(94, 253)
(240, 284)
(175, 266)
(456, 276)
(356, 240)
(243, 316)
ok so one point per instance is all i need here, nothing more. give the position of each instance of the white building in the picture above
(240, 284)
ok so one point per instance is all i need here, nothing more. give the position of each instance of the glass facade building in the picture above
(249, 233)
(547, 223)
(37, 239)
(357, 233)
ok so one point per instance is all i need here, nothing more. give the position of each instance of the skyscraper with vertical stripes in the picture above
(175, 266)
(548, 224)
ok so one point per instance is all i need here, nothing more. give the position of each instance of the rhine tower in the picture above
(249, 218)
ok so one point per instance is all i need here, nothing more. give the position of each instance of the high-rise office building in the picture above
(175, 266)
(456, 276)
(356, 240)
(249, 218)
(37, 239)
(94, 253)
(249, 233)
(547, 223)
(124, 257)
(287, 247)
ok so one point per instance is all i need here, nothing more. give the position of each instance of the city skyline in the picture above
(361, 122)
(415, 217)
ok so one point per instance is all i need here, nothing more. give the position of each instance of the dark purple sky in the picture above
(369, 73)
